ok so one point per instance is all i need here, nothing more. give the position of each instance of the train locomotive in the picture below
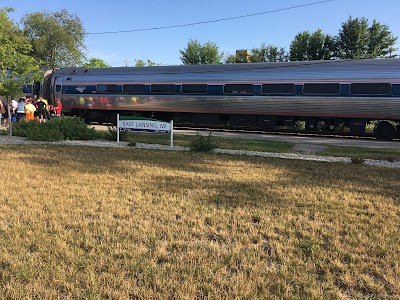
(324, 96)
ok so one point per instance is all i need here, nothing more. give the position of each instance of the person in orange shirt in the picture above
(29, 111)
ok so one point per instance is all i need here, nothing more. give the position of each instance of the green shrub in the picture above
(69, 128)
(203, 143)
(132, 144)
(45, 132)
(74, 128)
(111, 134)
(22, 127)
(357, 160)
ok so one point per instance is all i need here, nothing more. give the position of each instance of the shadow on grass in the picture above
(296, 174)
(200, 207)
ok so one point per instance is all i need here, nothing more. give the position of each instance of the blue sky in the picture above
(162, 46)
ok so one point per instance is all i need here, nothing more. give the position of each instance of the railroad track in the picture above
(367, 136)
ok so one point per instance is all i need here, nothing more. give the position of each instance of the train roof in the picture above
(234, 67)
(298, 70)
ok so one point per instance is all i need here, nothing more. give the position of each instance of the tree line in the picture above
(56, 40)
(355, 40)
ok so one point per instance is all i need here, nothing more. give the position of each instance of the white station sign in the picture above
(145, 125)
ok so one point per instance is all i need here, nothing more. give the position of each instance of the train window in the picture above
(107, 88)
(278, 88)
(321, 88)
(58, 88)
(194, 88)
(133, 88)
(370, 88)
(27, 89)
(238, 89)
(163, 88)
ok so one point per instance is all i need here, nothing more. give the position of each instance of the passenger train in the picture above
(323, 96)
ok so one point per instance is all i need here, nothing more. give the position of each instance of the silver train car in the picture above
(323, 96)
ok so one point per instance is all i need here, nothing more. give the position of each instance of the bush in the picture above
(69, 128)
(74, 128)
(111, 134)
(132, 144)
(357, 160)
(203, 144)
(45, 132)
(22, 127)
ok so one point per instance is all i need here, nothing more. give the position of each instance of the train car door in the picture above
(57, 89)
(37, 87)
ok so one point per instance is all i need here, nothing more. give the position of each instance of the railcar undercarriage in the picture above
(383, 130)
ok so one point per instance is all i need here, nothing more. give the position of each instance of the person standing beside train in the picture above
(46, 111)
(14, 105)
(27, 99)
(2, 111)
(41, 110)
(30, 111)
(58, 108)
(21, 109)
(5, 115)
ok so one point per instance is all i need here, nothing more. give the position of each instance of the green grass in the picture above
(126, 223)
(358, 152)
(224, 143)
(266, 146)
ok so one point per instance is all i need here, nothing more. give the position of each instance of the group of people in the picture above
(29, 109)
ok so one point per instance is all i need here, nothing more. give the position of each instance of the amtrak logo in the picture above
(80, 89)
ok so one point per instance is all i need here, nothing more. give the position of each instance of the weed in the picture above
(357, 160)
(307, 247)
(208, 221)
(111, 134)
(203, 143)
(132, 144)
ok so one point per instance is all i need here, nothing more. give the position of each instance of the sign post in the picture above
(118, 128)
(172, 134)
(145, 124)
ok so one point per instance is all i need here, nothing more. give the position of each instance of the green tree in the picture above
(96, 63)
(299, 46)
(352, 40)
(198, 54)
(231, 59)
(312, 46)
(141, 63)
(268, 53)
(357, 40)
(16, 65)
(381, 41)
(57, 38)
(321, 46)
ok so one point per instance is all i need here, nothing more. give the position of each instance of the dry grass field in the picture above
(105, 223)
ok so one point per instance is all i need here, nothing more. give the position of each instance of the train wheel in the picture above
(386, 131)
